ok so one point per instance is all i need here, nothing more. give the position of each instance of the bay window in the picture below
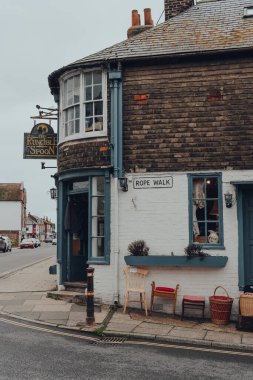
(83, 105)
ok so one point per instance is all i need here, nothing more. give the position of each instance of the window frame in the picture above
(89, 176)
(191, 177)
(63, 108)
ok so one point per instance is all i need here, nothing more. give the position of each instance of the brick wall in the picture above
(89, 153)
(189, 116)
(175, 7)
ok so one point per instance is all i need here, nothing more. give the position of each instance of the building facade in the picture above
(155, 143)
(12, 211)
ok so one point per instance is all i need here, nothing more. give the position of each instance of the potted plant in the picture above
(195, 250)
(138, 248)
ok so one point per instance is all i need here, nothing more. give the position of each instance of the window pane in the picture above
(77, 112)
(97, 77)
(97, 92)
(66, 129)
(77, 126)
(98, 124)
(98, 108)
(88, 124)
(88, 79)
(88, 93)
(97, 247)
(89, 109)
(205, 210)
(81, 185)
(71, 129)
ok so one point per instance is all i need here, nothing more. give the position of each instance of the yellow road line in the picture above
(129, 342)
(191, 348)
(62, 333)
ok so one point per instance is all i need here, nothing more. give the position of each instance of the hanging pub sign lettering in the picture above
(41, 142)
(153, 182)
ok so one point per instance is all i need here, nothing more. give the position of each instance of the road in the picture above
(20, 257)
(38, 352)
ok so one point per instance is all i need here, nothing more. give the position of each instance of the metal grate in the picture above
(110, 340)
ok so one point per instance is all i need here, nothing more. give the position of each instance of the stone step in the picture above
(79, 287)
(74, 297)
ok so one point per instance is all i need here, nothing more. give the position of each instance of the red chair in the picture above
(161, 291)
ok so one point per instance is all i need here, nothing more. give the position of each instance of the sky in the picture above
(38, 37)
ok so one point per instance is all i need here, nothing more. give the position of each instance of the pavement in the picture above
(23, 295)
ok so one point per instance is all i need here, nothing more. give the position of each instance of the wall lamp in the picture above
(123, 183)
(228, 199)
(53, 193)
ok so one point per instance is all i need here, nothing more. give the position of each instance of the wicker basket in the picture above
(220, 307)
(246, 305)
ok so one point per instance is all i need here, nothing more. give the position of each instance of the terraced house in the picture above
(155, 143)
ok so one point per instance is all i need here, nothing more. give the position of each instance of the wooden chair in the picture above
(135, 283)
(161, 291)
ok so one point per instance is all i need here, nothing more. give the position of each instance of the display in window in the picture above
(206, 216)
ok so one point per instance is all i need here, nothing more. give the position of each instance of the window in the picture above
(98, 217)
(83, 108)
(88, 214)
(205, 210)
(248, 12)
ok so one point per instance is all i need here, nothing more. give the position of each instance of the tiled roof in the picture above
(206, 27)
(11, 192)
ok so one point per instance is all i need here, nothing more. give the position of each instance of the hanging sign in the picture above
(153, 182)
(41, 142)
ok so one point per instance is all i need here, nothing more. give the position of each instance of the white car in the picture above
(54, 242)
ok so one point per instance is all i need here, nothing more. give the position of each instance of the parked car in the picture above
(5, 244)
(27, 243)
(54, 242)
(48, 240)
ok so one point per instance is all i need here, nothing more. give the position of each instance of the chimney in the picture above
(136, 27)
(173, 8)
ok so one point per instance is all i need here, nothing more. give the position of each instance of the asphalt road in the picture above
(36, 352)
(20, 257)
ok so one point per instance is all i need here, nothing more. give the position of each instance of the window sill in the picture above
(98, 262)
(177, 261)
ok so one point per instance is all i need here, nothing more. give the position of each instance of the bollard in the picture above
(90, 319)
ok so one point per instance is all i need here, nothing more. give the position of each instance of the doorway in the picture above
(76, 225)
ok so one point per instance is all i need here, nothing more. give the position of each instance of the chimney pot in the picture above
(135, 18)
(147, 17)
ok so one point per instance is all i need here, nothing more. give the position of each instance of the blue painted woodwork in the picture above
(177, 261)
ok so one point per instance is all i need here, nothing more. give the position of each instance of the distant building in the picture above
(41, 228)
(12, 210)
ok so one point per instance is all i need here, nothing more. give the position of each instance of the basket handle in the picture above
(221, 288)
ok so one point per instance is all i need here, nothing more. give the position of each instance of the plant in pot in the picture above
(138, 248)
(195, 250)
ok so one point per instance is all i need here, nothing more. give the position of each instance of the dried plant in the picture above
(195, 250)
(138, 248)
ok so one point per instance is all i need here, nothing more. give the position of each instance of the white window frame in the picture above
(82, 133)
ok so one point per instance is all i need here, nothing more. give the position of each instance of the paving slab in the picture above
(30, 296)
(247, 339)
(51, 316)
(123, 327)
(17, 308)
(77, 316)
(52, 308)
(153, 329)
(228, 338)
(4, 296)
(28, 314)
(12, 301)
(187, 333)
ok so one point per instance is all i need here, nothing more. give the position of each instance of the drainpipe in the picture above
(116, 160)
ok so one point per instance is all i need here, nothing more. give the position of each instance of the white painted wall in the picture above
(10, 215)
(160, 217)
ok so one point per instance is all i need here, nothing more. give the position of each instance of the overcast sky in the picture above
(38, 37)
